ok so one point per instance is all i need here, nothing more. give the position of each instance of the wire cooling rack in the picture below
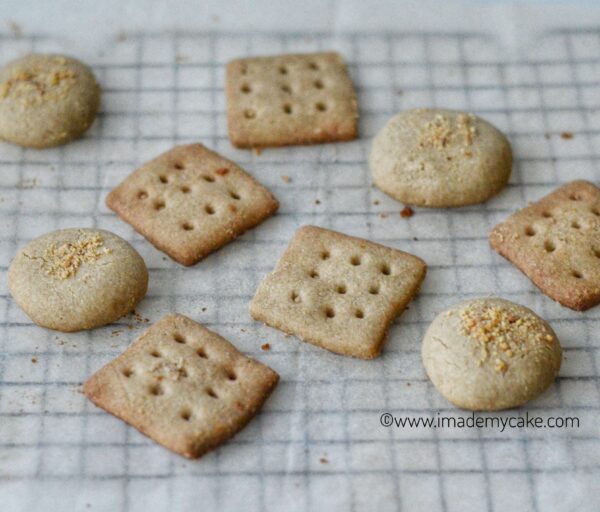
(318, 443)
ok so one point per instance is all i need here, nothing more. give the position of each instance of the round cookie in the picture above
(78, 278)
(440, 158)
(490, 354)
(46, 100)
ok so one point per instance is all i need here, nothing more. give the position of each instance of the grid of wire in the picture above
(318, 442)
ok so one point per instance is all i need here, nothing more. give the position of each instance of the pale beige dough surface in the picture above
(46, 100)
(77, 278)
(490, 354)
(440, 158)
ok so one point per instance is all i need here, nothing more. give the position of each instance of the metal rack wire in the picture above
(320, 431)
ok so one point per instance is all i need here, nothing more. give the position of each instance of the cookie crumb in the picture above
(376, 202)
(15, 28)
(64, 261)
(566, 135)
(317, 201)
(266, 347)
(502, 332)
(323, 460)
(406, 212)
(286, 178)
(383, 215)
(34, 360)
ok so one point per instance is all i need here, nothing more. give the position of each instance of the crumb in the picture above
(408, 384)
(34, 360)
(323, 460)
(64, 261)
(113, 334)
(502, 334)
(415, 239)
(376, 202)
(566, 135)
(15, 28)
(28, 183)
(243, 330)
(317, 201)
(266, 347)
(203, 309)
(257, 151)
(406, 212)
(383, 215)
(286, 178)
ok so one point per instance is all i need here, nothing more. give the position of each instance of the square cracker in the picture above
(190, 201)
(183, 386)
(556, 243)
(290, 99)
(338, 292)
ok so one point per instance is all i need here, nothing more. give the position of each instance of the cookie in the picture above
(182, 385)
(490, 354)
(440, 158)
(190, 201)
(338, 292)
(556, 243)
(290, 99)
(46, 100)
(77, 278)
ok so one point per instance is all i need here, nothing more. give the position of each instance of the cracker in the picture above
(290, 99)
(182, 385)
(338, 292)
(190, 201)
(556, 243)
